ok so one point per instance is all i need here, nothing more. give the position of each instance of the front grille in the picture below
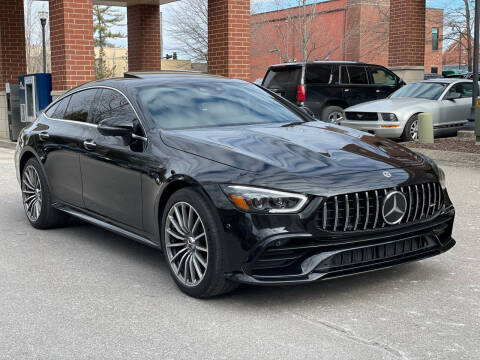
(361, 116)
(363, 210)
(376, 253)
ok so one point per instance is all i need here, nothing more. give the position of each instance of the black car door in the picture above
(384, 81)
(111, 173)
(62, 147)
(356, 85)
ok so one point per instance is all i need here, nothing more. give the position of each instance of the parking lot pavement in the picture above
(82, 292)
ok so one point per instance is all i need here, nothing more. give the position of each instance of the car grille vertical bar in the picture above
(377, 209)
(367, 206)
(363, 210)
(347, 213)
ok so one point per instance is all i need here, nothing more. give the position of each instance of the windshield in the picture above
(192, 103)
(420, 90)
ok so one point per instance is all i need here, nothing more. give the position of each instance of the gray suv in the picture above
(327, 87)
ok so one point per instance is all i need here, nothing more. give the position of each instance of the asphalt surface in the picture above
(81, 292)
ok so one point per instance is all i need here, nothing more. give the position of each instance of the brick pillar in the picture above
(12, 42)
(229, 38)
(71, 41)
(407, 37)
(144, 47)
(352, 36)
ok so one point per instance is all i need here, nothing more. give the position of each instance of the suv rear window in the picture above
(318, 74)
(282, 77)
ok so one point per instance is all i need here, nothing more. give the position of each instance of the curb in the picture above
(451, 158)
(7, 144)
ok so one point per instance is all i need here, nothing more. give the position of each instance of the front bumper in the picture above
(380, 128)
(305, 257)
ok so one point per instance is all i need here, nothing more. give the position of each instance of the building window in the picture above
(435, 38)
(434, 70)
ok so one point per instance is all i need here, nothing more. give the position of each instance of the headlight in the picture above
(389, 117)
(253, 199)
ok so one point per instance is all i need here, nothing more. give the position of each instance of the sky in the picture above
(169, 44)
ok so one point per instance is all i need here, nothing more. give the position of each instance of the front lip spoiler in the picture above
(317, 276)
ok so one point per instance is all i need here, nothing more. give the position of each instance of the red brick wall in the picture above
(451, 55)
(229, 38)
(407, 33)
(144, 47)
(71, 39)
(12, 42)
(433, 58)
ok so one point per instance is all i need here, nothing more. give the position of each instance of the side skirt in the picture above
(106, 225)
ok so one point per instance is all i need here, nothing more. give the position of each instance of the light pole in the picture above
(279, 54)
(476, 39)
(43, 20)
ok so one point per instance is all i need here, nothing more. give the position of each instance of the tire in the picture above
(407, 134)
(195, 261)
(37, 198)
(332, 114)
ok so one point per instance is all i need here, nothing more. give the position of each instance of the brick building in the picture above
(456, 54)
(355, 30)
(229, 25)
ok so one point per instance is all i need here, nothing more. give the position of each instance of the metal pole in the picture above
(460, 52)
(44, 47)
(475, 58)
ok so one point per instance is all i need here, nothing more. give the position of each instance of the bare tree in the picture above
(33, 37)
(187, 24)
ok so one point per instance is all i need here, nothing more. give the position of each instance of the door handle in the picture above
(89, 144)
(347, 90)
(43, 136)
(378, 91)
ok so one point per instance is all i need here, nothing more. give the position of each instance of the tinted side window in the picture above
(79, 105)
(464, 89)
(60, 109)
(381, 77)
(358, 75)
(282, 77)
(318, 74)
(112, 104)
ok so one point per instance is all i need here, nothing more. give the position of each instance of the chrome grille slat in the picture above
(359, 211)
(347, 213)
(377, 209)
(367, 215)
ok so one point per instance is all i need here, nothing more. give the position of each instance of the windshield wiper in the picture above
(294, 123)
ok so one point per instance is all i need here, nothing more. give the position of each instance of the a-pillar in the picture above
(12, 52)
(406, 54)
(71, 41)
(144, 42)
(229, 38)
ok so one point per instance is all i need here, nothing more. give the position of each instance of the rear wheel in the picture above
(332, 114)
(410, 132)
(193, 246)
(37, 199)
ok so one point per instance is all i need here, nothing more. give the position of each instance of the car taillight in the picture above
(301, 96)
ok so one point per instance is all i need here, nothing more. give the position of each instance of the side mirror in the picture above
(116, 126)
(453, 96)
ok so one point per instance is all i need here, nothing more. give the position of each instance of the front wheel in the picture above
(410, 132)
(193, 245)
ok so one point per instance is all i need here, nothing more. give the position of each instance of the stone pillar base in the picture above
(56, 94)
(409, 73)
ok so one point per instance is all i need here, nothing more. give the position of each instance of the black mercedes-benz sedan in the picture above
(231, 181)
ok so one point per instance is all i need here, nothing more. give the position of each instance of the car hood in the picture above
(390, 105)
(310, 149)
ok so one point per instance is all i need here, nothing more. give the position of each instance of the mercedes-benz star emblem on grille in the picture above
(387, 174)
(394, 207)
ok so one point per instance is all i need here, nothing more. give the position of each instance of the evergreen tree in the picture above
(104, 18)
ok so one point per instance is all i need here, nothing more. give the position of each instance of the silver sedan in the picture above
(449, 101)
